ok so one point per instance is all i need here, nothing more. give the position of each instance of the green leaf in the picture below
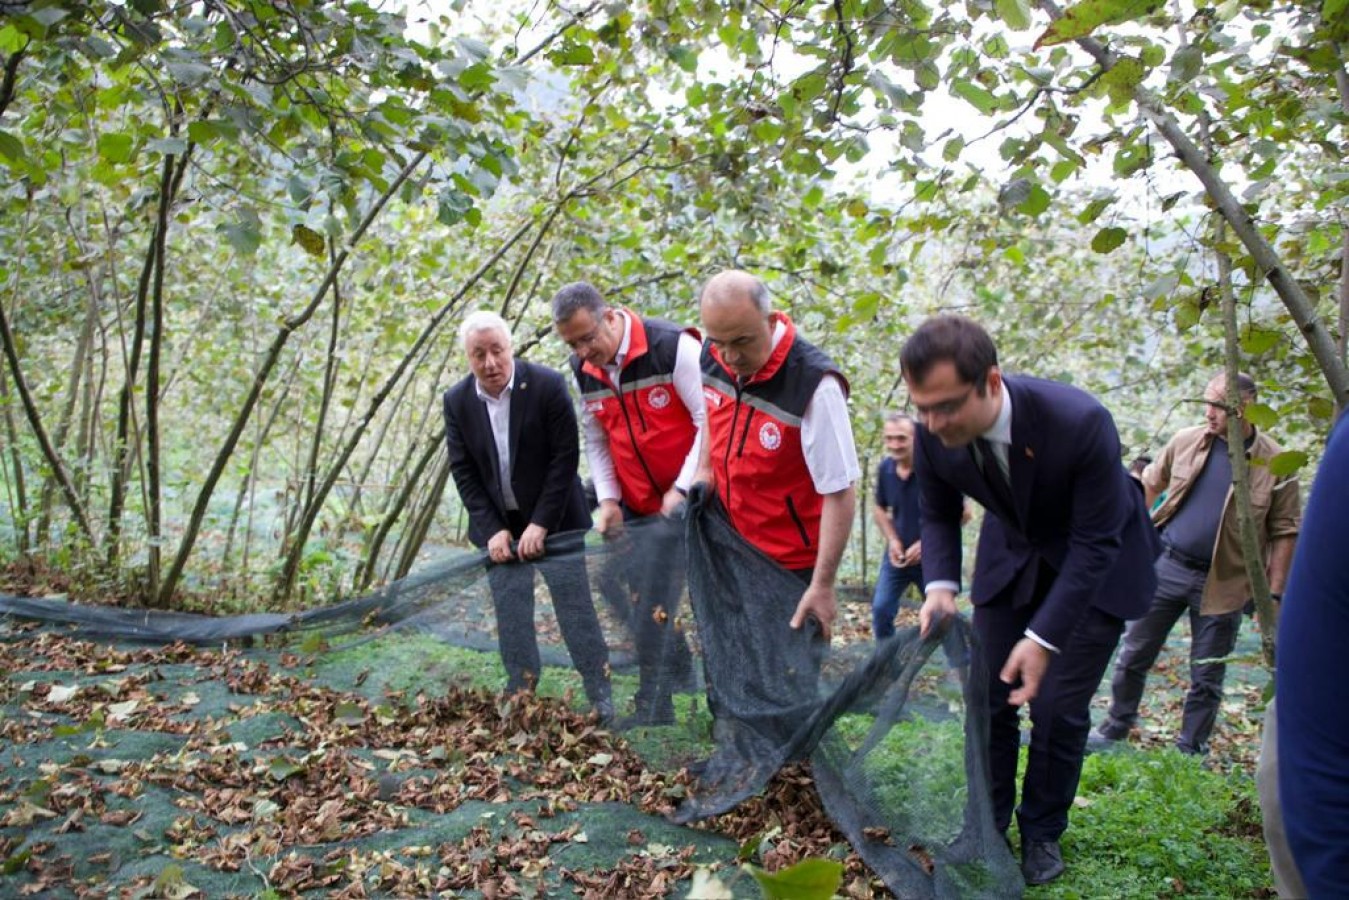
(12, 40)
(1257, 340)
(348, 714)
(202, 132)
(572, 54)
(971, 93)
(309, 240)
(1037, 202)
(281, 768)
(1016, 13)
(1081, 19)
(11, 148)
(1333, 10)
(167, 146)
(1107, 239)
(115, 147)
(1320, 408)
(1287, 463)
(1123, 77)
(1260, 415)
(1185, 64)
(810, 879)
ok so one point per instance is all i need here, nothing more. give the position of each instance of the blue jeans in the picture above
(890, 587)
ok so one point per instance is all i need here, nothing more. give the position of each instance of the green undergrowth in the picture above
(1157, 823)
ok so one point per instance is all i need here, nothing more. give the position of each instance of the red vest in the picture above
(650, 430)
(754, 432)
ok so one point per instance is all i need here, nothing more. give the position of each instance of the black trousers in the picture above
(1060, 716)
(564, 571)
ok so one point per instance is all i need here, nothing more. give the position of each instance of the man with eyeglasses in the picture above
(1202, 571)
(642, 416)
(1064, 557)
(779, 445)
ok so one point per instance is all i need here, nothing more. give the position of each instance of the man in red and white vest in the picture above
(642, 416)
(779, 444)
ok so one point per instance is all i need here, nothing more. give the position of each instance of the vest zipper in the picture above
(636, 448)
(800, 526)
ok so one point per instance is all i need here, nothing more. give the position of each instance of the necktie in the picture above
(987, 459)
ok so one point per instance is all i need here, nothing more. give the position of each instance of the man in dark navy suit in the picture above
(1065, 556)
(523, 490)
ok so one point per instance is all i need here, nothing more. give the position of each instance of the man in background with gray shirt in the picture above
(1202, 569)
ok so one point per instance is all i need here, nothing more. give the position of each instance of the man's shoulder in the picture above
(1187, 437)
(537, 373)
(457, 391)
(1053, 400)
(1265, 446)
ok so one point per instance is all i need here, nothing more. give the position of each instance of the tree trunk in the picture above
(153, 463)
(295, 554)
(39, 430)
(1236, 451)
(170, 582)
(414, 536)
(18, 496)
(365, 574)
(1295, 300)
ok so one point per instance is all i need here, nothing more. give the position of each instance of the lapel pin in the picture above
(1030, 454)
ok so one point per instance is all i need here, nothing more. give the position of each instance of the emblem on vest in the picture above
(594, 406)
(711, 396)
(770, 436)
(659, 398)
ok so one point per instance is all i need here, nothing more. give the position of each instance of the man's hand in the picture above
(531, 542)
(938, 610)
(895, 550)
(610, 523)
(914, 555)
(669, 504)
(821, 604)
(1027, 661)
(499, 546)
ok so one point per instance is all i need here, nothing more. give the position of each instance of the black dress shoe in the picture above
(1041, 861)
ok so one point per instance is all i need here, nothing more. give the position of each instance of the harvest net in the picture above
(364, 748)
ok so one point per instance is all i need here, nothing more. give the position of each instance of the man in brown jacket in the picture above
(1202, 570)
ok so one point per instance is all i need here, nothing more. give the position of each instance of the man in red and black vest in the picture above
(642, 416)
(779, 444)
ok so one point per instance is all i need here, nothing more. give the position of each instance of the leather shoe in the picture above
(1041, 861)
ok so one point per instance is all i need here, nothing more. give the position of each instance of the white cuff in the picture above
(1041, 641)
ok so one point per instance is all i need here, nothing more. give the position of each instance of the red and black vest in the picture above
(754, 433)
(650, 430)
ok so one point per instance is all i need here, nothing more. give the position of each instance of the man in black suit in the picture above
(523, 490)
(1065, 556)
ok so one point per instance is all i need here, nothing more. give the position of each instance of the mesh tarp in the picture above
(892, 732)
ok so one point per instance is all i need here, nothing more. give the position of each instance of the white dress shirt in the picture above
(826, 433)
(499, 413)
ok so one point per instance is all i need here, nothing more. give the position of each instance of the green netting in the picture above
(366, 749)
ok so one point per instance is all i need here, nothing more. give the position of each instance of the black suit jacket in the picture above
(544, 448)
(1075, 521)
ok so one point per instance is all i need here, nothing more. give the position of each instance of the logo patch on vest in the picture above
(711, 396)
(659, 398)
(770, 436)
(594, 406)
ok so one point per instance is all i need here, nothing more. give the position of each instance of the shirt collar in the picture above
(1001, 429)
(505, 392)
(624, 345)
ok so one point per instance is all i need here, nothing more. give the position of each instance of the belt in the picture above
(1187, 560)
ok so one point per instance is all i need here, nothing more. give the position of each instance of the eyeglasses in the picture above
(945, 407)
(589, 338)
